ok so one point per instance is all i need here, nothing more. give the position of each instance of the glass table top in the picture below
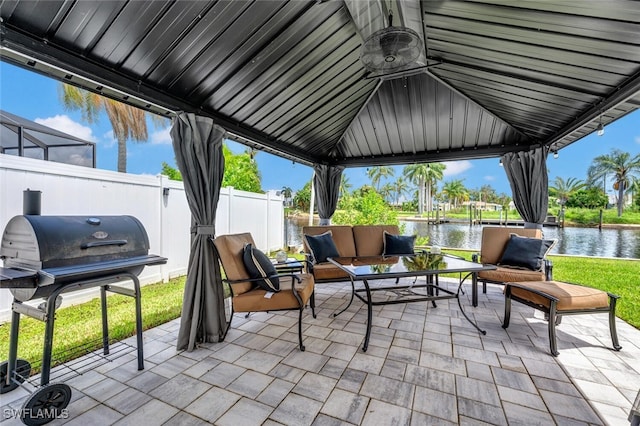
(405, 265)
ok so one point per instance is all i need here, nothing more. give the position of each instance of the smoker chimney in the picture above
(31, 202)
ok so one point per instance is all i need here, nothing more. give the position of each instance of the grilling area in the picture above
(327, 84)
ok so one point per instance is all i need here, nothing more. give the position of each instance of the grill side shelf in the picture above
(17, 278)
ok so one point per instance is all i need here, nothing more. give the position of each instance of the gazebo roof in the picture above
(286, 76)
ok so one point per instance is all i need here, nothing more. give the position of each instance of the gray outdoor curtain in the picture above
(527, 174)
(197, 143)
(327, 188)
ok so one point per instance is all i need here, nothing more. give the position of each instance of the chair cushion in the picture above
(505, 275)
(322, 246)
(495, 238)
(258, 265)
(398, 244)
(254, 300)
(570, 296)
(231, 249)
(525, 252)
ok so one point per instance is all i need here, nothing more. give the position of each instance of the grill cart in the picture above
(45, 256)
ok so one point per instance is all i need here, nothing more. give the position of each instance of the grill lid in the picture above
(43, 242)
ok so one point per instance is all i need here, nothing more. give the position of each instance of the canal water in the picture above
(624, 243)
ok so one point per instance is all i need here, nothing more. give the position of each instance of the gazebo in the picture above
(445, 80)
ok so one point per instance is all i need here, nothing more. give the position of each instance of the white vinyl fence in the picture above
(160, 204)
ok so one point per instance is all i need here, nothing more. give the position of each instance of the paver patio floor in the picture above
(424, 365)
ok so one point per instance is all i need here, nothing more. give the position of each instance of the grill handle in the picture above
(103, 243)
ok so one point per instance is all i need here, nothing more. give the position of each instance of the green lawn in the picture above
(81, 325)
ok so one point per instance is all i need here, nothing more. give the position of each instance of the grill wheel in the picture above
(23, 369)
(46, 404)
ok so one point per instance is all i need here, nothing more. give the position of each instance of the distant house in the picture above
(482, 205)
(26, 138)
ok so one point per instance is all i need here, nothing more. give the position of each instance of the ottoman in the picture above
(556, 298)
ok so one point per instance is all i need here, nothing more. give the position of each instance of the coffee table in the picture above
(429, 265)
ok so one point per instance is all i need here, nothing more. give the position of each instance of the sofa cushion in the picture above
(341, 234)
(322, 246)
(369, 240)
(328, 272)
(525, 252)
(258, 265)
(494, 240)
(398, 244)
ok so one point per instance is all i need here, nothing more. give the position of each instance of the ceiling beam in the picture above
(432, 156)
(68, 67)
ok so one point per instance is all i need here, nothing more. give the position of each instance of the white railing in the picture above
(160, 204)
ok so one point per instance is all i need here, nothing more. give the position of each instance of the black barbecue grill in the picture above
(45, 256)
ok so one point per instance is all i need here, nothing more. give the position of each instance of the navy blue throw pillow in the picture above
(525, 252)
(258, 265)
(322, 246)
(397, 244)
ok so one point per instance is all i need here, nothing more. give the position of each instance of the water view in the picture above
(577, 241)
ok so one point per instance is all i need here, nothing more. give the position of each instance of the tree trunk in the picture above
(620, 198)
(420, 196)
(122, 154)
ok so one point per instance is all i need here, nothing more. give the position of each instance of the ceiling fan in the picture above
(391, 51)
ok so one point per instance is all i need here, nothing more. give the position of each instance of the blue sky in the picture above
(35, 97)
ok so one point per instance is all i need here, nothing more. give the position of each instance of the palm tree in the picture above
(387, 191)
(562, 190)
(417, 173)
(286, 193)
(127, 122)
(377, 173)
(345, 186)
(435, 173)
(400, 188)
(455, 191)
(624, 169)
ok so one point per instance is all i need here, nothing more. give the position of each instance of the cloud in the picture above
(638, 140)
(456, 167)
(109, 139)
(161, 137)
(65, 124)
(490, 178)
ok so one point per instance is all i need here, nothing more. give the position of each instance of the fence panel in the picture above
(160, 204)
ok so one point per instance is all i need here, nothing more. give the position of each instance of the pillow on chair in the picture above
(397, 244)
(258, 265)
(322, 246)
(526, 252)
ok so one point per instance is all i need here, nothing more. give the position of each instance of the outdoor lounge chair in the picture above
(493, 245)
(296, 290)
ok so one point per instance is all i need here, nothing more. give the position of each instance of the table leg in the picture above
(353, 291)
(474, 289)
(369, 316)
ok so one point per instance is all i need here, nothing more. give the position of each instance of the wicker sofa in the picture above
(358, 240)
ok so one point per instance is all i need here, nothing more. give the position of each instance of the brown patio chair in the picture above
(296, 290)
(494, 242)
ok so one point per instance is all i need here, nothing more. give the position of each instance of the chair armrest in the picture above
(548, 270)
(308, 260)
